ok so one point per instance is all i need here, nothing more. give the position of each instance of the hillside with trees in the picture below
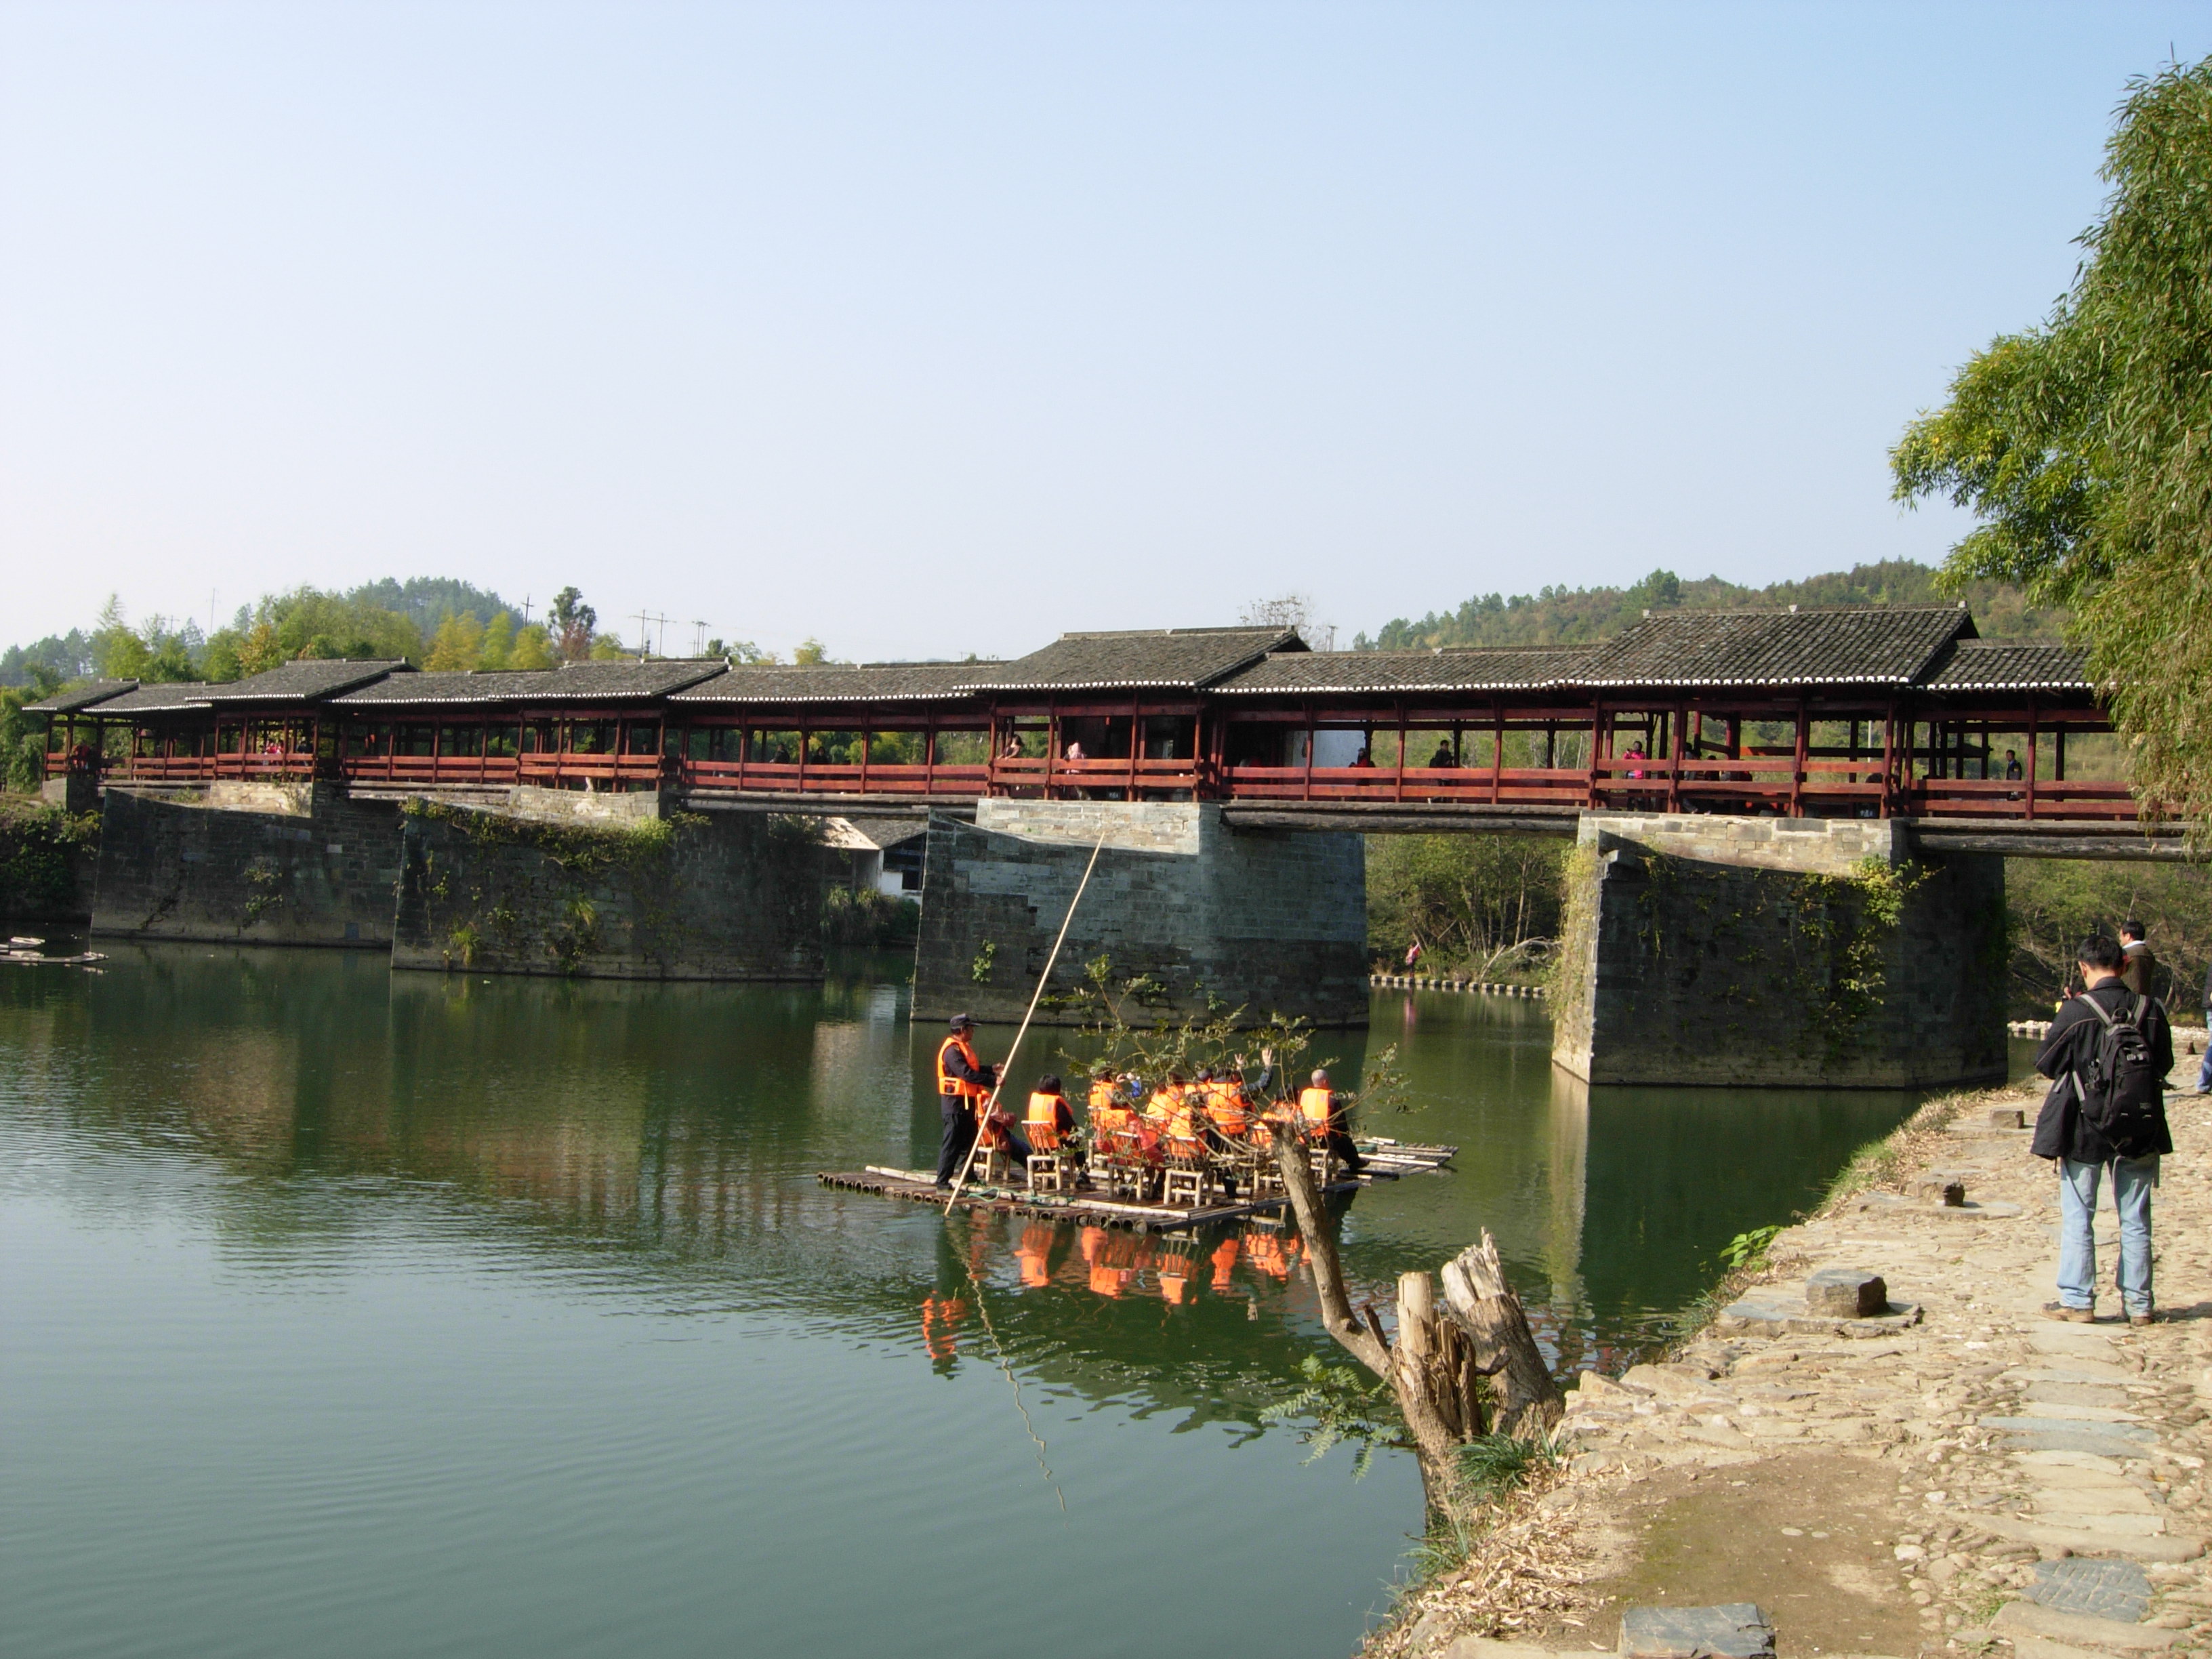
(1577, 616)
(435, 622)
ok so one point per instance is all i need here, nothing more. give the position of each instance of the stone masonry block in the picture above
(1846, 1294)
(1272, 920)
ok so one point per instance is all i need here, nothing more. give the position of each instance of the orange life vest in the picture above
(1044, 1123)
(1224, 1104)
(1318, 1105)
(1102, 1098)
(948, 1085)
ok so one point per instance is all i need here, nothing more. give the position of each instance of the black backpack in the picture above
(2122, 1096)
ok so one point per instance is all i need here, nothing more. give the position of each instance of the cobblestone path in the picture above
(1958, 1474)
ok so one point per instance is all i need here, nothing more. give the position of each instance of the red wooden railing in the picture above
(1755, 783)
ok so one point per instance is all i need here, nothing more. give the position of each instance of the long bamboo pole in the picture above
(1006, 1065)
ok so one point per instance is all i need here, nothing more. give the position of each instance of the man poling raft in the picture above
(965, 1084)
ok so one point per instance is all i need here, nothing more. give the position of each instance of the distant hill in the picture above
(425, 600)
(1574, 616)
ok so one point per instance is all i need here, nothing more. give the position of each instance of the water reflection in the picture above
(523, 1294)
(685, 1123)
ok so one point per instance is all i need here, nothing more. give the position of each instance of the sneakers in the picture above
(2071, 1315)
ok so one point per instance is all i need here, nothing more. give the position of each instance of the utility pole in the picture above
(699, 639)
(525, 610)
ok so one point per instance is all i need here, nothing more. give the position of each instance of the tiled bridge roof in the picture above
(1858, 647)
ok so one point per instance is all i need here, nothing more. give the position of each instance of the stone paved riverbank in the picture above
(1954, 1474)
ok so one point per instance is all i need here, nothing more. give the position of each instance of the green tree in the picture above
(573, 622)
(118, 653)
(532, 649)
(23, 736)
(1483, 904)
(2084, 445)
(459, 642)
(498, 642)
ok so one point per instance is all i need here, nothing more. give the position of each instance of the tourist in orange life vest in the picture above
(1051, 1120)
(963, 1084)
(1225, 1104)
(1324, 1116)
(1104, 1098)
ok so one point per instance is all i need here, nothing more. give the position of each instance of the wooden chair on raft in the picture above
(1187, 1178)
(1119, 1164)
(1051, 1170)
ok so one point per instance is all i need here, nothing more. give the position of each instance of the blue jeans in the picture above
(2204, 1069)
(2132, 1180)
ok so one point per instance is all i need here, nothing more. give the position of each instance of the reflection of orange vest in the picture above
(1265, 1252)
(1319, 1105)
(1174, 1279)
(1224, 1258)
(940, 1325)
(1035, 1254)
(948, 1085)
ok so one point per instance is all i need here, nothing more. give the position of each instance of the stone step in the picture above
(2025, 1618)
(2165, 1547)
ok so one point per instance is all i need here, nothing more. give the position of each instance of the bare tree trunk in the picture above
(1432, 1378)
(1485, 1308)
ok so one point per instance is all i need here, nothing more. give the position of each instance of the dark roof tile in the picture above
(444, 686)
(580, 681)
(157, 699)
(1991, 666)
(1836, 644)
(875, 681)
(1174, 658)
(76, 698)
(1466, 668)
(309, 680)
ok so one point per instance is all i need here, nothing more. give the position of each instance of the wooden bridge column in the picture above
(1677, 724)
(1797, 767)
(2033, 745)
(1887, 805)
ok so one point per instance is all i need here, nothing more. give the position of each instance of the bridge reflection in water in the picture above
(507, 1317)
(681, 1126)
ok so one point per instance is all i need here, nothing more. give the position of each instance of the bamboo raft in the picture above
(1382, 1160)
(25, 953)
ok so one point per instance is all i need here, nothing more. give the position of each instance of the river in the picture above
(348, 1311)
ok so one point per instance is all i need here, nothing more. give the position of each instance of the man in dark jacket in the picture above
(2065, 1134)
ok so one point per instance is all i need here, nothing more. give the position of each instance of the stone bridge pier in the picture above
(1797, 953)
(1269, 920)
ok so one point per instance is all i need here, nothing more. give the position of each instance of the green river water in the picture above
(371, 1314)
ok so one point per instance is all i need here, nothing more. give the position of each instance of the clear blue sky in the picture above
(933, 328)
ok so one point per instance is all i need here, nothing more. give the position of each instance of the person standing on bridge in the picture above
(964, 1084)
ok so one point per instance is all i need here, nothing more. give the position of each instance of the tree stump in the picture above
(1486, 1309)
